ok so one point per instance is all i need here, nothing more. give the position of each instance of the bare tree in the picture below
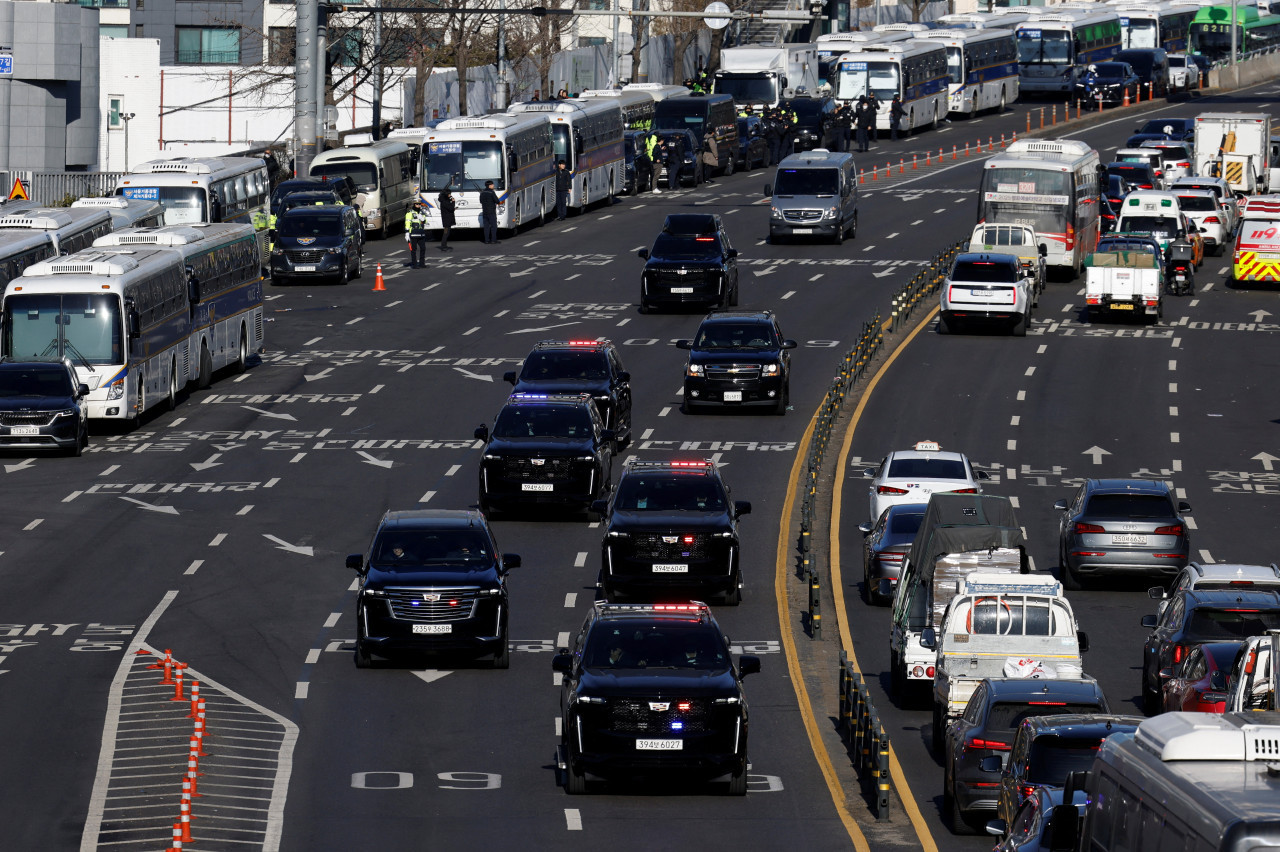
(539, 39)
(683, 30)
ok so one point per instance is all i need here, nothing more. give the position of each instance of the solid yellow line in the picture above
(789, 648)
(837, 584)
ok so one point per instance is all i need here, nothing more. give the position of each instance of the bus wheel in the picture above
(1002, 102)
(172, 401)
(242, 362)
(206, 367)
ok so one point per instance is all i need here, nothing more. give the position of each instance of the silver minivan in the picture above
(814, 194)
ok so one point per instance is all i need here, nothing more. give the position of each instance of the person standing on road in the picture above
(489, 213)
(564, 183)
(773, 136)
(896, 113)
(874, 103)
(415, 230)
(447, 205)
(710, 157)
(864, 118)
(674, 157)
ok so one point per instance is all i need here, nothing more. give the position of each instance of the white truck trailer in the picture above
(761, 76)
(1236, 146)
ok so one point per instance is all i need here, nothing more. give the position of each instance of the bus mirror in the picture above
(577, 143)
(215, 208)
(135, 322)
(513, 162)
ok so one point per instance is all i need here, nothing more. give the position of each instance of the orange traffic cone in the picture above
(1126, 98)
(379, 286)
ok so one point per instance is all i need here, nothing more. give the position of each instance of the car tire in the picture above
(1070, 580)
(575, 783)
(734, 596)
(738, 782)
(242, 357)
(359, 273)
(897, 682)
(644, 307)
(363, 659)
(867, 596)
(205, 377)
(838, 239)
(1150, 700)
(344, 277)
(944, 325)
(1020, 326)
(733, 295)
(780, 407)
(502, 658)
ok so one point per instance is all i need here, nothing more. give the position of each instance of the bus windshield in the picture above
(182, 204)
(560, 144)
(1044, 47)
(83, 327)
(1138, 33)
(1037, 198)
(467, 164)
(748, 88)
(858, 78)
(1213, 41)
(363, 175)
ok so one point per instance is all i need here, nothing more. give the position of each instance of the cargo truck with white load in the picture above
(760, 76)
(1001, 625)
(1126, 279)
(960, 534)
(1236, 146)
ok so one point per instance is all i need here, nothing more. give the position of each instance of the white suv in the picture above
(985, 287)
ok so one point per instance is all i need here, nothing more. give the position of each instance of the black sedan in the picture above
(1114, 189)
(753, 148)
(1108, 82)
(885, 547)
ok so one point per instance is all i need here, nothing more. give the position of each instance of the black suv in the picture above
(318, 242)
(816, 125)
(433, 580)
(671, 526)
(581, 366)
(545, 449)
(652, 689)
(738, 358)
(692, 262)
(343, 186)
(688, 168)
(1194, 617)
(41, 407)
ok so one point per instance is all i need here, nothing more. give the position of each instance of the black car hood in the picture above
(317, 242)
(547, 447)
(430, 575)
(35, 403)
(658, 682)
(674, 522)
(734, 356)
(595, 388)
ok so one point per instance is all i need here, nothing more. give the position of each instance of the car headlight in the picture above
(585, 699)
(491, 457)
(830, 213)
(775, 212)
(586, 458)
(617, 534)
(67, 412)
(116, 391)
(373, 593)
(337, 250)
(771, 369)
(277, 252)
(688, 159)
(694, 370)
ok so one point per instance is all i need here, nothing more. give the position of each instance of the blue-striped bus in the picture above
(586, 133)
(69, 229)
(20, 249)
(982, 67)
(1054, 48)
(224, 283)
(915, 71)
(1164, 25)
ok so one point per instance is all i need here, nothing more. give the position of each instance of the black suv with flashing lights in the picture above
(651, 689)
(738, 358)
(581, 366)
(692, 263)
(545, 448)
(433, 580)
(671, 526)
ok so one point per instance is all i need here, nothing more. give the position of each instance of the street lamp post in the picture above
(126, 117)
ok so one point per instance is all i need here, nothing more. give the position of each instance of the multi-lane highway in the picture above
(219, 530)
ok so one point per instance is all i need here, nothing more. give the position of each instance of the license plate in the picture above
(537, 486)
(304, 269)
(733, 396)
(1263, 256)
(24, 430)
(982, 294)
(1128, 538)
(659, 745)
(670, 568)
(681, 289)
(802, 230)
(1121, 306)
(433, 628)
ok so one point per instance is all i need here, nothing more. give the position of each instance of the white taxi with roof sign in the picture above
(910, 476)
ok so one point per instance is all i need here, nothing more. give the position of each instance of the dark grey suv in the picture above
(1121, 526)
(40, 407)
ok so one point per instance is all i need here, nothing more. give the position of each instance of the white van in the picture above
(1154, 212)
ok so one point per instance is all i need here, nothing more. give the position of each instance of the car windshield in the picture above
(1206, 624)
(305, 224)
(927, 468)
(724, 335)
(986, 271)
(808, 110)
(1198, 203)
(1008, 715)
(823, 182)
(905, 523)
(665, 492)
(1177, 62)
(665, 644)
(688, 247)
(543, 421)
(408, 548)
(1112, 70)
(1129, 506)
(552, 366)
(35, 381)
(1052, 758)
(1156, 225)
(1136, 174)
(1173, 154)
(363, 175)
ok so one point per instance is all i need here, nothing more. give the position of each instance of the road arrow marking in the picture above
(883, 274)
(1257, 317)
(205, 465)
(373, 460)
(1097, 453)
(26, 463)
(545, 328)
(284, 545)
(470, 375)
(224, 448)
(167, 510)
(323, 374)
(269, 413)
(528, 271)
(1266, 459)
(430, 675)
(768, 271)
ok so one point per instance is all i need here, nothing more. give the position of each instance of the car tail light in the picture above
(1151, 303)
(1025, 791)
(1183, 165)
(1047, 703)
(1179, 651)
(1081, 529)
(889, 489)
(1171, 529)
(928, 672)
(965, 491)
(978, 742)
(1145, 186)
(1093, 300)
(1212, 220)
(1071, 236)
(1088, 553)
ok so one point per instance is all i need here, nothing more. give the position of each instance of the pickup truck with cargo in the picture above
(1126, 279)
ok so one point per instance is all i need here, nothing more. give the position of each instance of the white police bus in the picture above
(382, 172)
(1164, 25)
(20, 249)
(832, 46)
(125, 212)
(982, 67)
(70, 229)
(586, 133)
(915, 71)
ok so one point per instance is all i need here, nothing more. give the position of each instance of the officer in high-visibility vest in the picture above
(651, 150)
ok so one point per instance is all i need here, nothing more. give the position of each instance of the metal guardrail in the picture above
(864, 736)
(59, 189)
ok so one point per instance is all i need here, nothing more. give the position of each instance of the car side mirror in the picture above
(509, 377)
(1060, 505)
(562, 663)
(731, 253)
(748, 664)
(996, 828)
(600, 507)
(1149, 621)
(1156, 593)
(789, 344)
(991, 763)
(740, 508)
(624, 376)
(929, 638)
(866, 528)
(482, 432)
(768, 190)
(982, 474)
(355, 561)
(643, 254)
(510, 560)
(1184, 507)
(82, 390)
(684, 344)
(1082, 639)
(868, 473)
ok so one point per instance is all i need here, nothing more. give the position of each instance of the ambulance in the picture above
(1257, 254)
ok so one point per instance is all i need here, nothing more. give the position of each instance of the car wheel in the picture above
(344, 277)
(897, 681)
(958, 823)
(838, 239)
(1070, 580)
(502, 659)
(944, 325)
(364, 660)
(734, 596)
(866, 578)
(206, 368)
(738, 782)
(733, 295)
(359, 272)
(644, 307)
(1020, 326)
(728, 168)
(780, 407)
(1150, 700)
(575, 782)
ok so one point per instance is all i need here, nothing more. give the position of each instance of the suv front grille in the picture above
(690, 278)
(26, 418)
(525, 470)
(412, 605)
(307, 256)
(733, 372)
(802, 215)
(634, 716)
(653, 546)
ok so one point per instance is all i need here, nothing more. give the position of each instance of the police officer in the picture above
(415, 229)
(896, 114)
(874, 103)
(489, 213)
(564, 183)
(864, 118)
(674, 158)
(446, 204)
(844, 124)
(772, 136)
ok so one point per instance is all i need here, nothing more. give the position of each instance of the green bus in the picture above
(1209, 35)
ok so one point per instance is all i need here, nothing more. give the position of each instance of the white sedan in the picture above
(910, 476)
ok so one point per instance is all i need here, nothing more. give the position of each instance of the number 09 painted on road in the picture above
(404, 780)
